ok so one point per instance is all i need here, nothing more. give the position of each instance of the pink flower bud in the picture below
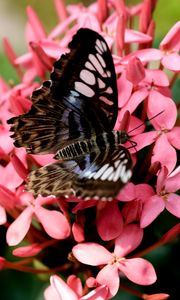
(135, 71)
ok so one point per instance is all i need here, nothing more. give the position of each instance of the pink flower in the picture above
(166, 187)
(167, 54)
(137, 270)
(54, 222)
(59, 290)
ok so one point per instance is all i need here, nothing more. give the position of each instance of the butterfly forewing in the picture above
(79, 100)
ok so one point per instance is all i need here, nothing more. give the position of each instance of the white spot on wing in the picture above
(84, 89)
(88, 77)
(99, 44)
(101, 60)
(109, 90)
(89, 66)
(107, 173)
(127, 175)
(98, 49)
(105, 100)
(101, 171)
(117, 173)
(117, 163)
(108, 73)
(96, 63)
(104, 46)
(101, 83)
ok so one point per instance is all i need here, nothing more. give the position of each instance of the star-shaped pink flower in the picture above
(165, 197)
(53, 221)
(137, 270)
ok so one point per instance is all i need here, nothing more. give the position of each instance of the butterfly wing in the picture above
(95, 175)
(79, 100)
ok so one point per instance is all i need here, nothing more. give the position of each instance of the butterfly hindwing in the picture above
(98, 175)
(79, 100)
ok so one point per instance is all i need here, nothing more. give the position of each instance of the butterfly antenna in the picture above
(133, 145)
(149, 120)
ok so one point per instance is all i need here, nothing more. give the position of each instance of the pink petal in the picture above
(109, 276)
(3, 218)
(135, 99)
(157, 103)
(145, 55)
(138, 270)
(62, 289)
(50, 293)
(18, 229)
(124, 90)
(100, 293)
(19, 167)
(144, 139)
(161, 179)
(157, 78)
(43, 159)
(75, 284)
(128, 240)
(83, 205)
(109, 221)
(54, 222)
(78, 232)
(128, 193)
(164, 153)
(92, 254)
(133, 36)
(36, 24)
(120, 32)
(61, 27)
(171, 62)
(26, 251)
(7, 198)
(173, 137)
(172, 39)
(131, 211)
(144, 191)
(5, 141)
(133, 126)
(173, 204)
(145, 15)
(41, 54)
(172, 182)
(61, 10)
(152, 208)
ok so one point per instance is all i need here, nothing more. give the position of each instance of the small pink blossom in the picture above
(54, 222)
(59, 290)
(137, 270)
(167, 185)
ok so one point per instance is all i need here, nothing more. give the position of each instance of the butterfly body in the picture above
(96, 143)
(73, 116)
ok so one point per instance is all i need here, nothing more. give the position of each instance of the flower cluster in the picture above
(95, 239)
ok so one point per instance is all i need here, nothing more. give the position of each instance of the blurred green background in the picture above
(19, 286)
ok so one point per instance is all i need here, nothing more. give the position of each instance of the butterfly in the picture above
(72, 116)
